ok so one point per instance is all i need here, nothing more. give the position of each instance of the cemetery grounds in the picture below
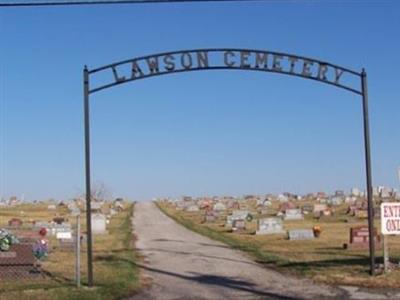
(115, 271)
(323, 259)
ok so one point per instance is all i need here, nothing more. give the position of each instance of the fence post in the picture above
(78, 251)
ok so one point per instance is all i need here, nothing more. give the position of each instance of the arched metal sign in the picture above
(225, 59)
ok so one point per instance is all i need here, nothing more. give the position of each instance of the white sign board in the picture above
(64, 235)
(390, 218)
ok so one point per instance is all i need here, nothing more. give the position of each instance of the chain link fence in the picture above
(39, 247)
(39, 258)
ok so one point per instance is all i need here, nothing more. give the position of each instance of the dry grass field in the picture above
(322, 259)
(115, 271)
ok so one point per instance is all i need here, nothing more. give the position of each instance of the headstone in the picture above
(282, 198)
(293, 214)
(59, 220)
(269, 226)
(192, 208)
(72, 205)
(57, 228)
(359, 238)
(322, 210)
(377, 212)
(336, 200)
(386, 192)
(285, 206)
(327, 212)
(238, 215)
(28, 236)
(267, 202)
(350, 200)
(14, 222)
(208, 218)
(205, 204)
(219, 206)
(339, 193)
(308, 208)
(98, 224)
(361, 214)
(319, 207)
(95, 205)
(301, 234)
(64, 235)
(263, 210)
(17, 262)
(105, 210)
(75, 211)
(235, 205)
(239, 225)
(355, 192)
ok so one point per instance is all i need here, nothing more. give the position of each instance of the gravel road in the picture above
(184, 265)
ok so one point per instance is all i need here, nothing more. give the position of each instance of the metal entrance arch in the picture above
(225, 59)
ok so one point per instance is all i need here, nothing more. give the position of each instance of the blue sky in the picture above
(200, 133)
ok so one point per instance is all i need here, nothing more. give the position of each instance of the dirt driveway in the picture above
(185, 265)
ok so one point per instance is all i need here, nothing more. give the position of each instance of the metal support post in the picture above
(87, 168)
(368, 172)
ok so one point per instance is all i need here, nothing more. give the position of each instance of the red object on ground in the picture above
(43, 231)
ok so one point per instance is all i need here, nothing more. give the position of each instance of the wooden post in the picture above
(385, 253)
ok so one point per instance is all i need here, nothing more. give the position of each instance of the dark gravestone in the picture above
(18, 262)
(58, 220)
(359, 238)
(14, 222)
(27, 236)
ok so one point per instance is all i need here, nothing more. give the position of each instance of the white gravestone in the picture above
(320, 207)
(57, 228)
(192, 208)
(237, 215)
(270, 226)
(98, 224)
(293, 214)
(301, 234)
(219, 207)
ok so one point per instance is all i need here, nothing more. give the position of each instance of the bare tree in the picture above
(99, 192)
